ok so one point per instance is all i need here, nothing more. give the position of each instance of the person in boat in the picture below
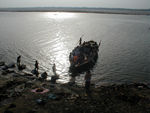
(80, 41)
(85, 57)
(87, 50)
(77, 51)
(87, 81)
(18, 61)
(83, 43)
(78, 60)
(75, 59)
(81, 58)
(71, 55)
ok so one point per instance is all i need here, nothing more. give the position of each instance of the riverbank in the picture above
(22, 92)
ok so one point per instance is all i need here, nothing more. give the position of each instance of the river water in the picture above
(49, 37)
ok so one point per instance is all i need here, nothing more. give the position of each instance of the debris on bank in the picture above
(25, 93)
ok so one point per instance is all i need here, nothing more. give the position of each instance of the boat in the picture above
(84, 56)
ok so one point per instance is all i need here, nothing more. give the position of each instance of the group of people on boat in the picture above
(84, 52)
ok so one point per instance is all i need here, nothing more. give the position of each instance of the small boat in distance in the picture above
(84, 56)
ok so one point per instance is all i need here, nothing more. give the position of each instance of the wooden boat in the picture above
(84, 56)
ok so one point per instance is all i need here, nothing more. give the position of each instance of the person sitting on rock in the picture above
(44, 76)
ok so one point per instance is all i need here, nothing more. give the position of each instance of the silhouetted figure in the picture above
(54, 69)
(72, 79)
(18, 61)
(54, 78)
(44, 76)
(80, 41)
(84, 43)
(36, 65)
(87, 81)
(36, 68)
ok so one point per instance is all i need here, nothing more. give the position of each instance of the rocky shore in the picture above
(22, 92)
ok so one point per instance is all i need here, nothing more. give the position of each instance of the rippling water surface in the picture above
(49, 37)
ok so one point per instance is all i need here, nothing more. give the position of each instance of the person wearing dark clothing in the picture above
(87, 81)
(18, 61)
(54, 69)
(36, 67)
(44, 76)
(80, 41)
(54, 78)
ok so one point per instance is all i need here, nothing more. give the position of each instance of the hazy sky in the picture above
(138, 4)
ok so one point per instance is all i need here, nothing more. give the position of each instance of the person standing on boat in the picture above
(80, 41)
(87, 81)
(18, 61)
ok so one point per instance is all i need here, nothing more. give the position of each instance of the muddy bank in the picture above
(25, 93)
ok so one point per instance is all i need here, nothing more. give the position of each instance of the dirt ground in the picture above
(17, 96)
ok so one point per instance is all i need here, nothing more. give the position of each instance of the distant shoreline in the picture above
(80, 10)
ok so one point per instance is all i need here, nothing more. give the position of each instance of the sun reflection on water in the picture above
(61, 60)
(55, 48)
(57, 52)
(60, 15)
